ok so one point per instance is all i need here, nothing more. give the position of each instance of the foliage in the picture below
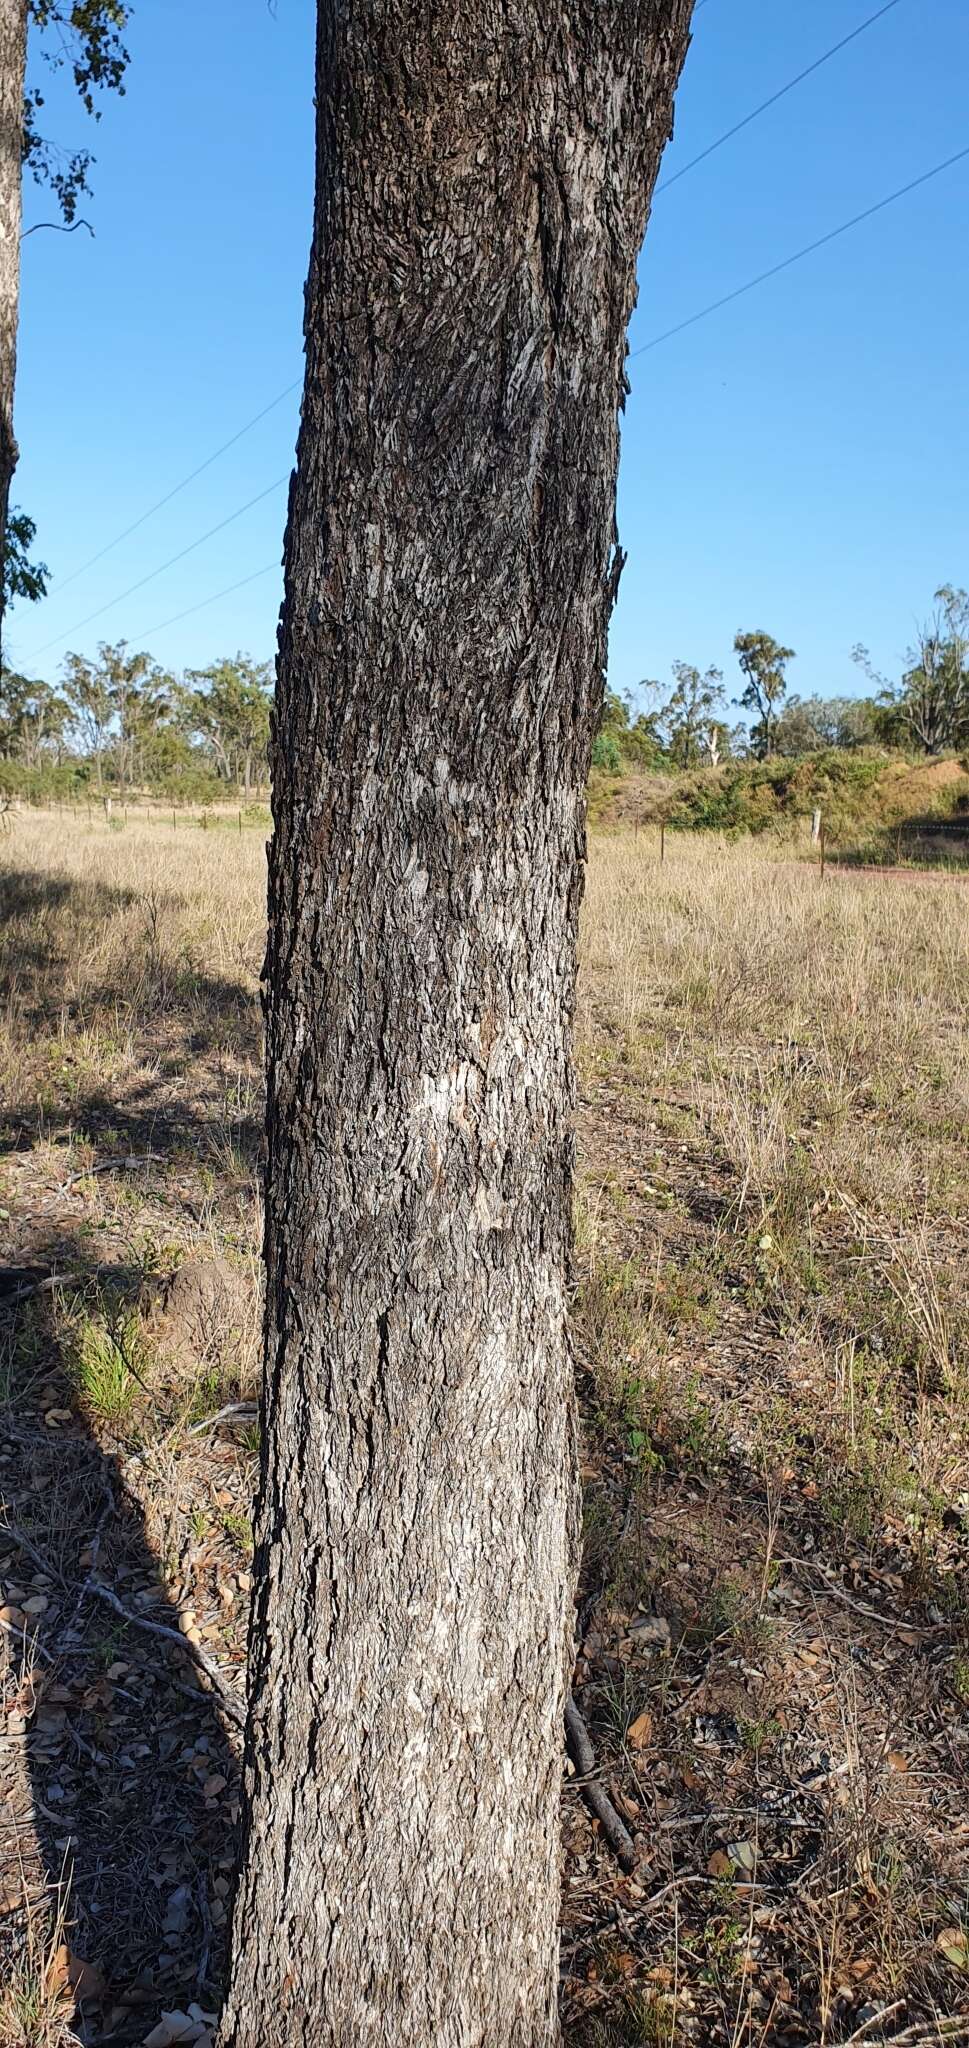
(228, 710)
(20, 576)
(32, 719)
(116, 704)
(129, 724)
(607, 753)
(930, 706)
(86, 36)
(806, 725)
(690, 721)
(763, 662)
(753, 796)
(625, 741)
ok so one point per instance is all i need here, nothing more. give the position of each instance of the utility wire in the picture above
(200, 607)
(278, 400)
(755, 112)
(642, 351)
(799, 254)
(186, 480)
(180, 557)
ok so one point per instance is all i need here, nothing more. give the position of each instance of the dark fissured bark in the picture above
(483, 180)
(13, 56)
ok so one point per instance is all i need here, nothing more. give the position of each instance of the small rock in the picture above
(651, 1631)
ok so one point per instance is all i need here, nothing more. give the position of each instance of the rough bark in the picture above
(483, 180)
(13, 57)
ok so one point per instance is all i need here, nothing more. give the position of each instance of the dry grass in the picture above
(772, 1306)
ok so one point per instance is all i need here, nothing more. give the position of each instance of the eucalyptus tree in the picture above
(84, 36)
(763, 663)
(484, 177)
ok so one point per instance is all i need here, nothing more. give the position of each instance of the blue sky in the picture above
(795, 462)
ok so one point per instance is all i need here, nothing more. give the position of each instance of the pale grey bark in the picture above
(483, 180)
(13, 57)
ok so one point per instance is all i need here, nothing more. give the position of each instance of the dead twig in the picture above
(23, 1542)
(125, 1164)
(44, 1286)
(593, 1791)
(235, 1411)
(231, 1706)
(877, 2020)
(923, 2034)
(19, 1633)
(858, 1606)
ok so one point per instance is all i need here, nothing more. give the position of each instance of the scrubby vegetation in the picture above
(771, 1313)
(873, 766)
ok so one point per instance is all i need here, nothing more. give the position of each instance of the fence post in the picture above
(821, 837)
(815, 827)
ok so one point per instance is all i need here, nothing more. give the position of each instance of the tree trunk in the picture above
(483, 180)
(13, 58)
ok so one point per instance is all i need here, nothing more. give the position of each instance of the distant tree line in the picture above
(120, 723)
(925, 711)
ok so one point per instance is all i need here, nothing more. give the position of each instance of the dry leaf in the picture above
(720, 1864)
(954, 1944)
(172, 2028)
(85, 1979)
(640, 1731)
(897, 1761)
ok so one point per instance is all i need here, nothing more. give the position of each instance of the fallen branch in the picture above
(125, 1164)
(236, 1411)
(938, 2033)
(44, 1286)
(198, 1657)
(231, 1706)
(593, 1791)
(12, 1533)
(858, 1606)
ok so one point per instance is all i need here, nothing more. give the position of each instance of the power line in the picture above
(200, 607)
(183, 485)
(755, 112)
(800, 254)
(170, 564)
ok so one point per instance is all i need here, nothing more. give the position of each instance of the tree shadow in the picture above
(149, 1121)
(123, 1780)
(172, 996)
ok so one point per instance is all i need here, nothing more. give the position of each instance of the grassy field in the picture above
(772, 1332)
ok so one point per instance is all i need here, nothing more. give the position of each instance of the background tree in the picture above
(763, 662)
(104, 698)
(626, 738)
(690, 720)
(930, 706)
(807, 725)
(229, 707)
(33, 719)
(21, 577)
(84, 35)
(483, 181)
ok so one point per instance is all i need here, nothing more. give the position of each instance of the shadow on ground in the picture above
(120, 1782)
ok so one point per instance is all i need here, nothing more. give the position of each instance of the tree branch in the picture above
(592, 1789)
